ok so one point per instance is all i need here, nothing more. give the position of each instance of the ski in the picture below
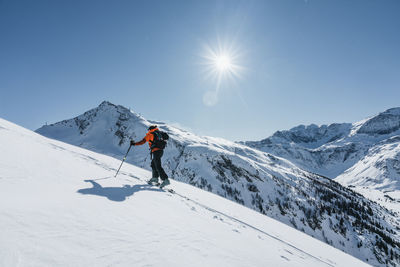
(163, 189)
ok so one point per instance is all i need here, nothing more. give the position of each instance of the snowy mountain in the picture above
(377, 174)
(378, 169)
(364, 154)
(60, 205)
(266, 183)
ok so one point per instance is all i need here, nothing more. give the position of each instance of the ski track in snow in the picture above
(242, 223)
(254, 228)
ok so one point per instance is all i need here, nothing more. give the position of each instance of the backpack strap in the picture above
(155, 135)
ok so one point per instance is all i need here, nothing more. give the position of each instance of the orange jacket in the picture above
(148, 138)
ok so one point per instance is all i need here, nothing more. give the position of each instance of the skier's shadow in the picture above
(115, 193)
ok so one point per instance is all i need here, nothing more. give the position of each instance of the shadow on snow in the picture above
(115, 193)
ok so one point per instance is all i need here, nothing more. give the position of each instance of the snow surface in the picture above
(61, 206)
(379, 169)
(269, 184)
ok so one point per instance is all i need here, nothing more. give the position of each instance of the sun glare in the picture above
(221, 66)
(223, 63)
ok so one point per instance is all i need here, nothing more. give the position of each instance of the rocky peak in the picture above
(384, 123)
(312, 135)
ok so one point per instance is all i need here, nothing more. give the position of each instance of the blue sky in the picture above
(301, 62)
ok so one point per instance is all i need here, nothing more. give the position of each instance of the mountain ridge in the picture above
(332, 150)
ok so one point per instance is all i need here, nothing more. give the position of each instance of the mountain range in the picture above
(290, 176)
(364, 155)
(344, 151)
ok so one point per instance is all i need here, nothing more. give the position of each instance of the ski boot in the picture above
(153, 180)
(164, 183)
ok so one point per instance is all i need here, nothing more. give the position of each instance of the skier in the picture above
(157, 144)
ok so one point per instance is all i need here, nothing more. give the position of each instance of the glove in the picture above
(133, 143)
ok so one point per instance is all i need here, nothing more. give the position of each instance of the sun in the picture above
(223, 63)
(221, 67)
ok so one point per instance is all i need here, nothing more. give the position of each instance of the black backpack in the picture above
(159, 140)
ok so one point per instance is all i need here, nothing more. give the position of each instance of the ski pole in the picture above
(123, 160)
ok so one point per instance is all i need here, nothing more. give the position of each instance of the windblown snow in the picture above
(60, 205)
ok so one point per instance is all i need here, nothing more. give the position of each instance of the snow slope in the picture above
(377, 174)
(61, 206)
(271, 185)
(379, 169)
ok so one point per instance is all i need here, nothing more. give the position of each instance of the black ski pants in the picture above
(158, 171)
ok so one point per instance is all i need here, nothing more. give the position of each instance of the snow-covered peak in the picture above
(331, 149)
(393, 111)
(107, 106)
(106, 103)
(384, 123)
(310, 136)
(313, 136)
